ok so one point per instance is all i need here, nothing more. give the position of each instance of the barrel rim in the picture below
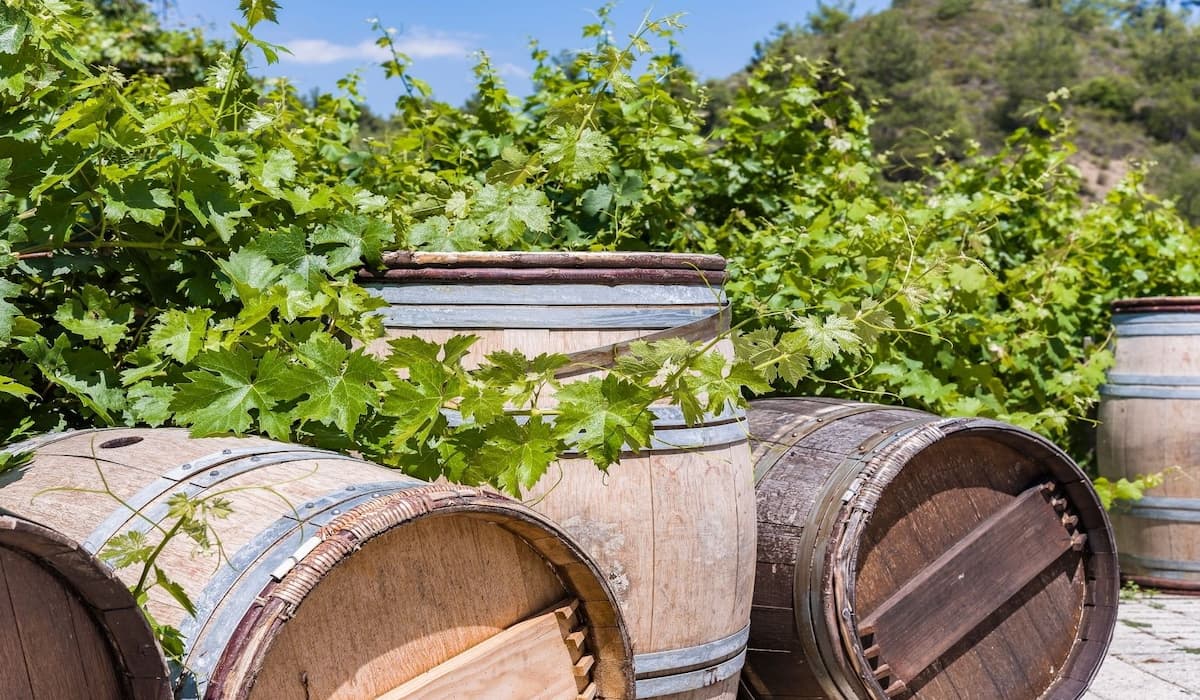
(554, 259)
(235, 672)
(531, 268)
(1095, 631)
(1182, 304)
(107, 599)
(829, 633)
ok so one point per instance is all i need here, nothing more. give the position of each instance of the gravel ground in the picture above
(1155, 652)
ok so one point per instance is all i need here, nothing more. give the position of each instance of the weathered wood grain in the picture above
(527, 661)
(673, 530)
(405, 580)
(955, 576)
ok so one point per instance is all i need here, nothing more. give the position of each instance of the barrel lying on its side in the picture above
(906, 555)
(340, 579)
(671, 526)
(1150, 421)
(68, 627)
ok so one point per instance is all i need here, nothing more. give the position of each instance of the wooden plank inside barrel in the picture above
(340, 579)
(902, 555)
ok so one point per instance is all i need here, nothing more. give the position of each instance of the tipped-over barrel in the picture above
(905, 555)
(336, 578)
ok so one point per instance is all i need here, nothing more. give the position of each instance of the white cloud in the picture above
(420, 43)
(512, 70)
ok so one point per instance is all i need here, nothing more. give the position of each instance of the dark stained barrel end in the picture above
(923, 555)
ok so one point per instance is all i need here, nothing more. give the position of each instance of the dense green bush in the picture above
(185, 255)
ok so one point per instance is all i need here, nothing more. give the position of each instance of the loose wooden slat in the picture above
(528, 660)
(955, 592)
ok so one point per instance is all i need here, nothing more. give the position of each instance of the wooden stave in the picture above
(1147, 408)
(613, 671)
(139, 669)
(777, 425)
(700, 320)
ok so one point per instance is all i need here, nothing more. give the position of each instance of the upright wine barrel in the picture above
(902, 555)
(336, 578)
(671, 526)
(1150, 421)
(68, 627)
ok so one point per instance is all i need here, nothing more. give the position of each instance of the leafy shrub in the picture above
(949, 9)
(186, 256)
(1117, 94)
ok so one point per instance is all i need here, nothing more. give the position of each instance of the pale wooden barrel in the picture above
(1150, 421)
(68, 627)
(903, 555)
(671, 527)
(340, 579)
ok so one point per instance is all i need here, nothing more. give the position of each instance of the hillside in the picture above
(974, 68)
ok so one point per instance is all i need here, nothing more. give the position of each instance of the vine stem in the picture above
(140, 588)
(49, 250)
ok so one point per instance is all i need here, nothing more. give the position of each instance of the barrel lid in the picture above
(138, 660)
(549, 267)
(1157, 304)
(970, 551)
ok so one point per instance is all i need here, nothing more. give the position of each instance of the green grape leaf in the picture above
(341, 383)
(174, 590)
(137, 200)
(598, 416)
(179, 334)
(127, 549)
(93, 315)
(524, 451)
(220, 396)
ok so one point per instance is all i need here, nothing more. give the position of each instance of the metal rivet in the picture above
(308, 505)
(351, 488)
(255, 458)
(336, 511)
(186, 466)
(226, 451)
(214, 473)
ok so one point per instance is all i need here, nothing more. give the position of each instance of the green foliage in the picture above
(186, 255)
(1123, 489)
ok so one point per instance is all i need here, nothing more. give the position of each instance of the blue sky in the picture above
(330, 38)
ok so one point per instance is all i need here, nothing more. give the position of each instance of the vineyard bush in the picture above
(179, 242)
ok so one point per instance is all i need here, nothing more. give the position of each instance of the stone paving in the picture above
(1155, 652)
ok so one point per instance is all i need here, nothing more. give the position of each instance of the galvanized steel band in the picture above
(691, 680)
(1156, 323)
(231, 591)
(671, 432)
(1151, 386)
(1159, 566)
(1185, 510)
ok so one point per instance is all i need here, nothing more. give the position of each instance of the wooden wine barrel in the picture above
(68, 627)
(337, 578)
(671, 526)
(1150, 421)
(905, 555)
